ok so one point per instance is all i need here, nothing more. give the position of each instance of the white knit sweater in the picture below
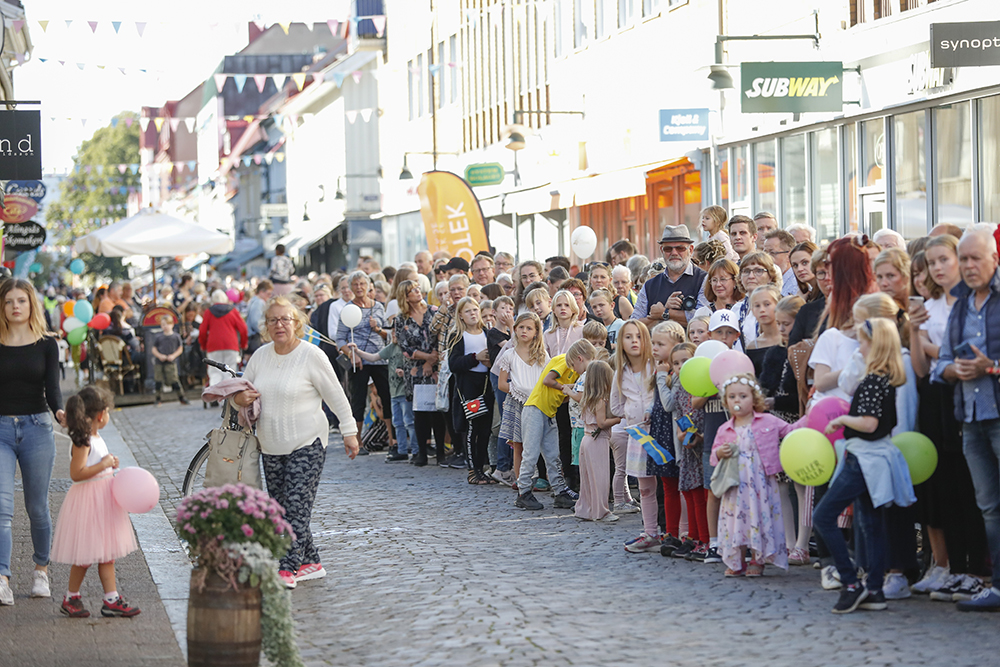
(292, 389)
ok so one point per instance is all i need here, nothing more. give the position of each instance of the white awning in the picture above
(298, 240)
(543, 198)
(609, 186)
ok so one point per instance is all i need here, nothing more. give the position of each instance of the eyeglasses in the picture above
(720, 281)
(673, 249)
(822, 275)
(275, 321)
(604, 264)
(775, 253)
(755, 271)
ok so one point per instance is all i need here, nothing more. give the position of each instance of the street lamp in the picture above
(406, 175)
(720, 77)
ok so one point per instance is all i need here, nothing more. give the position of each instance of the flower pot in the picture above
(223, 625)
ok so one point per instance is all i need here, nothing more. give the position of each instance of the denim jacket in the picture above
(767, 430)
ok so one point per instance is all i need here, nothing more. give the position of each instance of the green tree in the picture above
(97, 189)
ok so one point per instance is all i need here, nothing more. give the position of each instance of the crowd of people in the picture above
(546, 377)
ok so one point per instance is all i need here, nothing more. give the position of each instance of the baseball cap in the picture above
(724, 318)
(457, 263)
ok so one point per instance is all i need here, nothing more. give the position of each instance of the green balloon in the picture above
(695, 377)
(77, 336)
(808, 457)
(920, 454)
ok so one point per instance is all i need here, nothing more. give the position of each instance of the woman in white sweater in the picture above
(293, 379)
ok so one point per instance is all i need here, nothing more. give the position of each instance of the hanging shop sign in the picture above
(791, 87)
(18, 208)
(683, 124)
(486, 173)
(32, 189)
(975, 44)
(452, 216)
(23, 236)
(274, 210)
(20, 145)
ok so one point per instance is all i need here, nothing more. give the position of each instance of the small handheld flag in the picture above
(657, 452)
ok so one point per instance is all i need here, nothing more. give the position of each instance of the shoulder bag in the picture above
(233, 457)
(477, 406)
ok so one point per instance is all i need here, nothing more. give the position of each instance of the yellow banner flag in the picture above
(452, 216)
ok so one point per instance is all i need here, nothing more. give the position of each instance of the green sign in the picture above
(486, 173)
(792, 87)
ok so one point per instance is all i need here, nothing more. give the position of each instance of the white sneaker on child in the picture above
(625, 508)
(6, 595)
(830, 578)
(933, 580)
(40, 585)
(896, 587)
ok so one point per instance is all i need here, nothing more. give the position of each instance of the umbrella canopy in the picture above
(156, 234)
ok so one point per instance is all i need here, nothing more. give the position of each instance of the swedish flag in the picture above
(657, 452)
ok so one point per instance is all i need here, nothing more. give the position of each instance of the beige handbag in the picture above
(727, 474)
(233, 457)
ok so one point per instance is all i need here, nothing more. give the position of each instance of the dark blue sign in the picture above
(683, 124)
(33, 189)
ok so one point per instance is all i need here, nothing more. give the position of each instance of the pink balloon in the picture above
(233, 295)
(100, 321)
(727, 364)
(135, 490)
(826, 411)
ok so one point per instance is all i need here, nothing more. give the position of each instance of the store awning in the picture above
(538, 200)
(298, 240)
(234, 261)
(609, 186)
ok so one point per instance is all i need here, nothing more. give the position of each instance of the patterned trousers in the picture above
(292, 480)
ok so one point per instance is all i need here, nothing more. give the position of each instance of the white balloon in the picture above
(710, 349)
(72, 323)
(350, 316)
(584, 242)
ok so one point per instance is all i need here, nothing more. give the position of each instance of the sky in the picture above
(182, 43)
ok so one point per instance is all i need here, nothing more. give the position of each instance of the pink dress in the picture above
(92, 527)
(594, 471)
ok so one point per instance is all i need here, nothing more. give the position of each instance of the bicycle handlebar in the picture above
(222, 367)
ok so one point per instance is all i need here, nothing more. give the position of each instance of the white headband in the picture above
(734, 379)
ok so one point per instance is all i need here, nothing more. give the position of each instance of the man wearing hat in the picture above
(457, 266)
(663, 296)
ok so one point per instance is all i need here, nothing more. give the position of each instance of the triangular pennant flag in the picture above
(69, 23)
(100, 170)
(248, 118)
(257, 158)
(122, 70)
(83, 122)
(285, 26)
(42, 60)
(81, 65)
(174, 124)
(334, 25)
(192, 164)
(294, 119)
(366, 114)
(140, 27)
(379, 22)
(351, 116)
(220, 81)
(129, 121)
(62, 62)
(269, 158)
(356, 75)
(338, 78)
(318, 77)
(299, 79)
(189, 124)
(143, 123)
(122, 168)
(170, 167)
(240, 80)
(279, 120)
(116, 25)
(134, 168)
(280, 157)
(246, 160)
(87, 168)
(260, 25)
(93, 26)
(114, 122)
(44, 25)
(434, 69)
(261, 81)
(158, 122)
(18, 24)
(279, 81)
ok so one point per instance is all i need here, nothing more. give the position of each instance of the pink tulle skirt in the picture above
(92, 527)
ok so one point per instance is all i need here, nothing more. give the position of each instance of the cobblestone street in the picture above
(427, 570)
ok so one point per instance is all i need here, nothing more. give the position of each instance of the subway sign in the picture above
(791, 87)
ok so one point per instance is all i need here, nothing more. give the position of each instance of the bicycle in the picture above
(194, 479)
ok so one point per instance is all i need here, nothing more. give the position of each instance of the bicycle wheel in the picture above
(194, 479)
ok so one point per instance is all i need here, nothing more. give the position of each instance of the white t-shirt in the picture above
(936, 326)
(333, 318)
(521, 376)
(98, 450)
(474, 344)
(833, 349)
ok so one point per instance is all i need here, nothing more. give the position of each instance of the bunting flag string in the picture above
(336, 27)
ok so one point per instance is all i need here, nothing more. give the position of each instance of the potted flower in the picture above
(237, 603)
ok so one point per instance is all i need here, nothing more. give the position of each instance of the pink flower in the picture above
(247, 530)
(224, 504)
(189, 528)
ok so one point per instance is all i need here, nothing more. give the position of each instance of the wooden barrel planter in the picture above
(223, 625)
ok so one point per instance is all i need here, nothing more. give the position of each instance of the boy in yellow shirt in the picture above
(539, 432)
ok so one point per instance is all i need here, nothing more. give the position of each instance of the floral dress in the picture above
(414, 336)
(690, 469)
(750, 514)
(661, 427)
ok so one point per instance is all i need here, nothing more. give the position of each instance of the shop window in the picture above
(989, 157)
(825, 183)
(910, 174)
(738, 175)
(793, 176)
(873, 154)
(764, 160)
(953, 163)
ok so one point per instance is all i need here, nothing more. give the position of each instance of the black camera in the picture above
(689, 303)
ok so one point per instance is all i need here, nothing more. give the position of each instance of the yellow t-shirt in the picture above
(546, 398)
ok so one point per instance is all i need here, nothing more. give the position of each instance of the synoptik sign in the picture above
(20, 145)
(965, 44)
(791, 87)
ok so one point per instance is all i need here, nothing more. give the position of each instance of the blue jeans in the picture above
(26, 440)
(981, 445)
(504, 453)
(848, 487)
(541, 437)
(402, 422)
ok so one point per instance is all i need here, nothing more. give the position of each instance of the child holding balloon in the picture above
(92, 527)
(665, 336)
(750, 512)
(871, 471)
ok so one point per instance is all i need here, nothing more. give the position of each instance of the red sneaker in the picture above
(73, 607)
(287, 578)
(311, 571)
(119, 608)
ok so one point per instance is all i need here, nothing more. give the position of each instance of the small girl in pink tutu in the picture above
(92, 527)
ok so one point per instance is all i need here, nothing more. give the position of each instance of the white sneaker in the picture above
(830, 578)
(625, 508)
(499, 476)
(6, 595)
(40, 585)
(934, 579)
(608, 518)
(896, 587)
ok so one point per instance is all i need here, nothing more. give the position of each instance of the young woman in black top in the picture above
(29, 366)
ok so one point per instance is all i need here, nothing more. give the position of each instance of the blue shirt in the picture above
(980, 402)
(255, 315)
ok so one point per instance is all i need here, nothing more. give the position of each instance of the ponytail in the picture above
(81, 411)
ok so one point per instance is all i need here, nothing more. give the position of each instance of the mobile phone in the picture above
(964, 351)
(916, 301)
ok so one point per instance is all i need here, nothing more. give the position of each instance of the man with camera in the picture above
(675, 293)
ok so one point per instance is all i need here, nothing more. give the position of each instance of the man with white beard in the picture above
(675, 293)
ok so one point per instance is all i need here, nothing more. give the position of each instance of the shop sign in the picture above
(791, 87)
(274, 210)
(18, 208)
(453, 219)
(921, 77)
(683, 124)
(486, 173)
(20, 145)
(31, 189)
(23, 236)
(974, 44)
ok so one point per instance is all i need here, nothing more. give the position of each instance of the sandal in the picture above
(477, 478)
(755, 570)
(730, 572)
